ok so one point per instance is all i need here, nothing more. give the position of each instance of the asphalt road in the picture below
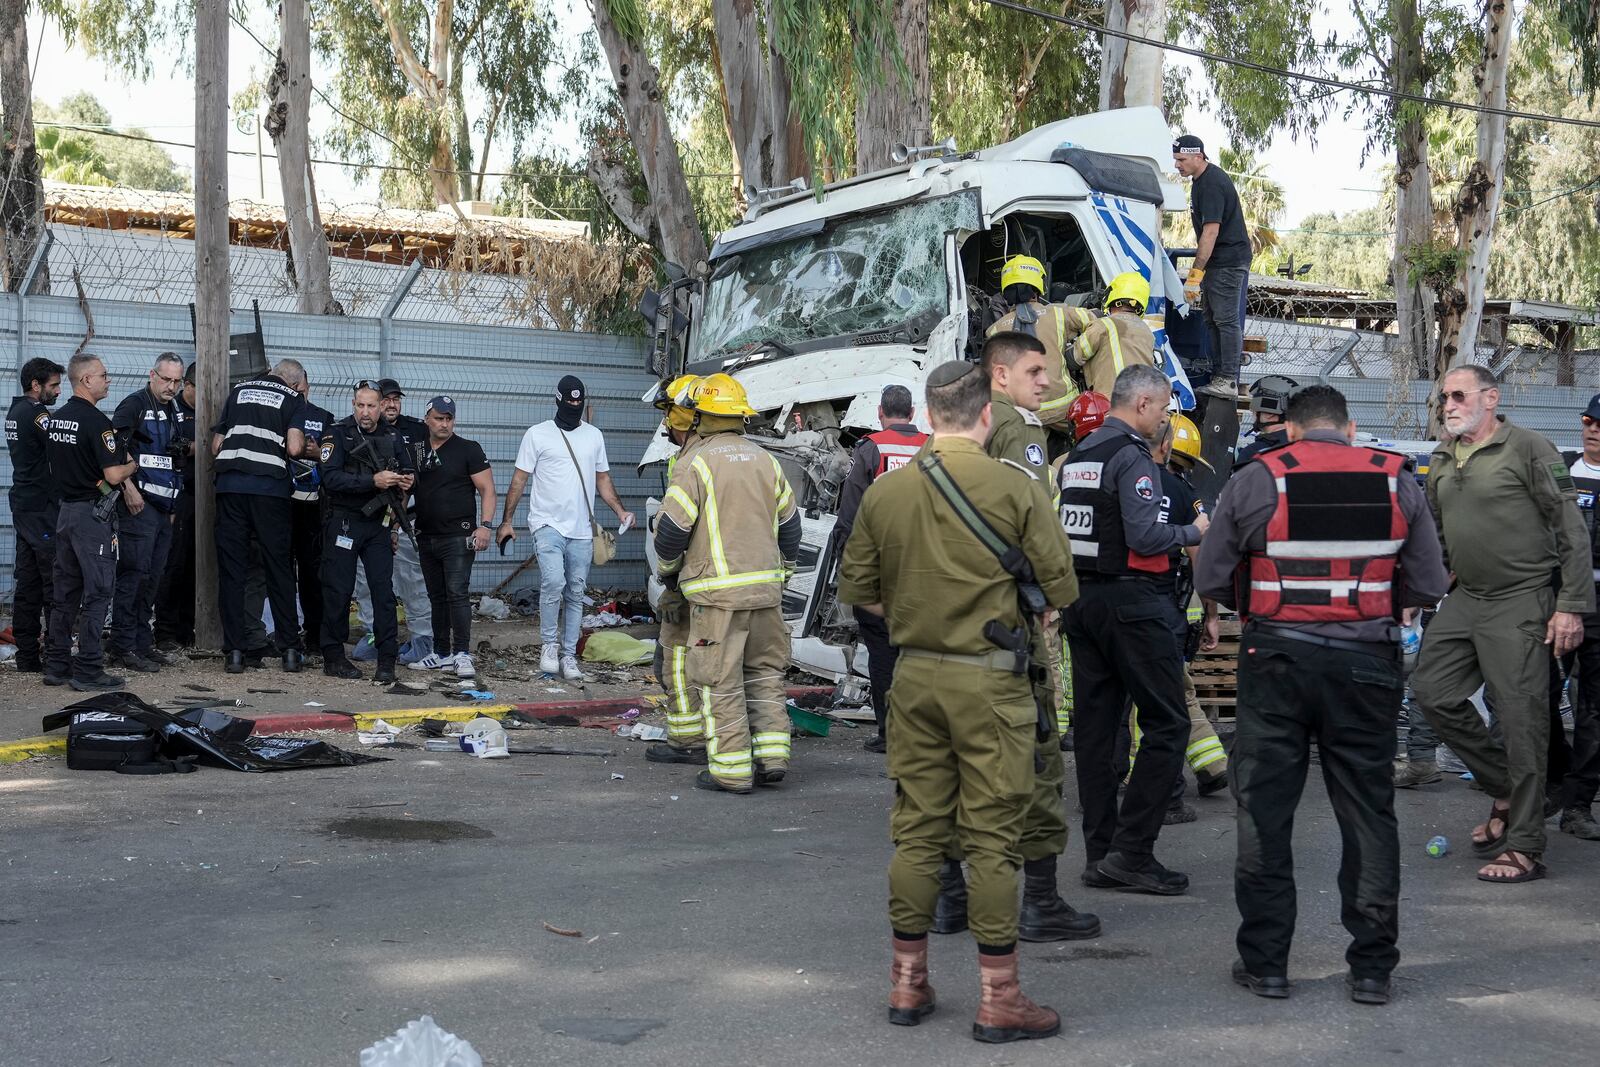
(226, 918)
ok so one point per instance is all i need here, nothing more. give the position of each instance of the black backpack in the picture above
(100, 740)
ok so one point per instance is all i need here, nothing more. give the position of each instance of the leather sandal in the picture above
(1493, 846)
(1528, 868)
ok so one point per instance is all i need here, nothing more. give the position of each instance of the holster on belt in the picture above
(1018, 642)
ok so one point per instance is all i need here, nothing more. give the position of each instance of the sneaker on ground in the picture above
(570, 670)
(464, 667)
(432, 662)
(550, 659)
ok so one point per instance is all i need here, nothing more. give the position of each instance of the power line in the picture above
(1314, 79)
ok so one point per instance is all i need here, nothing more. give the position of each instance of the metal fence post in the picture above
(386, 317)
(40, 254)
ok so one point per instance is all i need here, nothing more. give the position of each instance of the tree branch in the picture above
(611, 179)
(406, 56)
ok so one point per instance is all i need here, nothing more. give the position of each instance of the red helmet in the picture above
(1087, 413)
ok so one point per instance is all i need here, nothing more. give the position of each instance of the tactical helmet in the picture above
(1270, 395)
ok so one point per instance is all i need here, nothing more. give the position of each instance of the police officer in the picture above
(877, 453)
(408, 581)
(1120, 635)
(1269, 399)
(965, 724)
(88, 464)
(354, 456)
(1022, 285)
(1319, 545)
(253, 441)
(727, 536)
(35, 500)
(686, 731)
(149, 424)
(174, 628)
(1576, 790)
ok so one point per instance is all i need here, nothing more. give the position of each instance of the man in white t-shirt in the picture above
(566, 460)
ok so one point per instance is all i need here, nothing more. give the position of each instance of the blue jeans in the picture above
(563, 575)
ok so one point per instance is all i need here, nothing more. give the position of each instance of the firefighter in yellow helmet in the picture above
(1022, 285)
(686, 737)
(1104, 344)
(727, 538)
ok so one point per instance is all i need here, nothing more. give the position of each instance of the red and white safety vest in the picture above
(895, 449)
(1333, 541)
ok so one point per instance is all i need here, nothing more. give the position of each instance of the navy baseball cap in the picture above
(1593, 410)
(443, 405)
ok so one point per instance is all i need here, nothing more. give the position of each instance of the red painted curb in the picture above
(599, 708)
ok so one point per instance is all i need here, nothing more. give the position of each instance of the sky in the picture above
(1325, 176)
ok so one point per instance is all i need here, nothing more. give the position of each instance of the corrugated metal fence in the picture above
(503, 380)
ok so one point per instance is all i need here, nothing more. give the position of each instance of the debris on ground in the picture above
(561, 931)
(486, 739)
(494, 608)
(381, 733)
(421, 1043)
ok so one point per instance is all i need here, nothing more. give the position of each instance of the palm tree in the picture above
(1260, 197)
(70, 158)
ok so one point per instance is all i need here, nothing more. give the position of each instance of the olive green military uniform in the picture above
(1055, 328)
(1045, 831)
(1509, 519)
(962, 749)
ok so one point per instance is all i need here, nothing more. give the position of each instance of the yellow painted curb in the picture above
(412, 716)
(28, 747)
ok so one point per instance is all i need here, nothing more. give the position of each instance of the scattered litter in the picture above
(631, 713)
(553, 688)
(642, 731)
(560, 750)
(813, 855)
(561, 932)
(603, 620)
(313, 704)
(279, 692)
(384, 804)
(494, 608)
(382, 733)
(486, 739)
(421, 1043)
(478, 694)
(615, 777)
(787, 829)
(198, 688)
(592, 940)
(401, 688)
(691, 900)
(674, 796)
(7, 651)
(442, 744)
(809, 722)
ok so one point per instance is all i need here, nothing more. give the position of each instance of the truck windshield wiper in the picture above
(759, 352)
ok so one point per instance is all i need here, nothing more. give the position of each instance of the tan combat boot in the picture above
(1004, 1014)
(911, 999)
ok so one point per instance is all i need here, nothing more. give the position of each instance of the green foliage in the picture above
(1351, 250)
(1436, 264)
(1252, 105)
(980, 57)
(102, 159)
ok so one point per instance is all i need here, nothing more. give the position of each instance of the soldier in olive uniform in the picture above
(962, 751)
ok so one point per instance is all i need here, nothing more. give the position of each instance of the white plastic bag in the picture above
(421, 1043)
(494, 608)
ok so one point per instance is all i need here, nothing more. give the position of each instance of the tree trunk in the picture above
(1478, 200)
(211, 291)
(890, 108)
(288, 123)
(790, 159)
(669, 216)
(21, 190)
(746, 78)
(1130, 74)
(1413, 180)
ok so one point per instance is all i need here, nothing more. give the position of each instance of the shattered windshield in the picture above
(869, 272)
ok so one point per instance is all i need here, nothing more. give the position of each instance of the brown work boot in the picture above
(1413, 773)
(1004, 1014)
(911, 999)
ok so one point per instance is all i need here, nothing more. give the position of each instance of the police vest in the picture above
(160, 477)
(1333, 541)
(256, 442)
(1091, 512)
(386, 449)
(895, 449)
(306, 475)
(1588, 486)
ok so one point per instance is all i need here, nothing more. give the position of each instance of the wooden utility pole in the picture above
(211, 290)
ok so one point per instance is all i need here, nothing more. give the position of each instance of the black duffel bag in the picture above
(100, 740)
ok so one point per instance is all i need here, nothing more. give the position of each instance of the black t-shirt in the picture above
(1212, 198)
(27, 429)
(82, 444)
(447, 501)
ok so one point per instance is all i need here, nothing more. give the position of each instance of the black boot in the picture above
(950, 911)
(385, 671)
(338, 665)
(293, 660)
(235, 662)
(1045, 916)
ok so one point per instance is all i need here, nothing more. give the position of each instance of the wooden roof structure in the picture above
(455, 237)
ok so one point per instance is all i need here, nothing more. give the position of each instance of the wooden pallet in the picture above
(1216, 673)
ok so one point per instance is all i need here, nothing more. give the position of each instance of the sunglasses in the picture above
(367, 383)
(1590, 420)
(1459, 396)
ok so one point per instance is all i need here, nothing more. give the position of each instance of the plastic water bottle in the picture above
(1411, 639)
(1438, 846)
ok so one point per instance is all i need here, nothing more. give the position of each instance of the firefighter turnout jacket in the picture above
(728, 529)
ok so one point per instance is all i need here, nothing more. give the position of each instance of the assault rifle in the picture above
(366, 455)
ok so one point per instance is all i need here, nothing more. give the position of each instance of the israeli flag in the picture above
(1135, 246)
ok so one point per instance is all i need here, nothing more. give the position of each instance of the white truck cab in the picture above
(817, 301)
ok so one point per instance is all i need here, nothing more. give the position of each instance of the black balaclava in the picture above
(569, 402)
